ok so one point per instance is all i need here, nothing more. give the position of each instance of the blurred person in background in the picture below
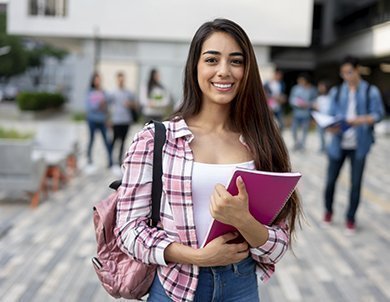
(322, 105)
(97, 116)
(360, 104)
(223, 122)
(154, 98)
(276, 98)
(122, 102)
(302, 98)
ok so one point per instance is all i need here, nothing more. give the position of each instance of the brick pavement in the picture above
(45, 253)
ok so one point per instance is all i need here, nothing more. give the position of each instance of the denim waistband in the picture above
(230, 267)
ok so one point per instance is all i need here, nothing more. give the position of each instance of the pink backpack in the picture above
(121, 275)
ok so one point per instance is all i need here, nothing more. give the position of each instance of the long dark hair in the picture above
(152, 82)
(92, 84)
(249, 114)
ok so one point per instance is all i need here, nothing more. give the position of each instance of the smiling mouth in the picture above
(223, 86)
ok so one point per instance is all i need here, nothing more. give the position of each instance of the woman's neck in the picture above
(211, 119)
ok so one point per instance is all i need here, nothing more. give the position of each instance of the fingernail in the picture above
(239, 179)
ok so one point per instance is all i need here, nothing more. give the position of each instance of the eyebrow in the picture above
(214, 52)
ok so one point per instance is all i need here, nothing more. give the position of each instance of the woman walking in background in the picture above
(154, 98)
(97, 116)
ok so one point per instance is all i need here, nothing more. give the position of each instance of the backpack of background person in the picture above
(119, 274)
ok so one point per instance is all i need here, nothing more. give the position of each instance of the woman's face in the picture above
(97, 81)
(156, 76)
(220, 68)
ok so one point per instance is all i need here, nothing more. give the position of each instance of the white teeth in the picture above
(222, 85)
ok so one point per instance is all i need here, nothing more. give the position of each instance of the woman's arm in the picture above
(134, 235)
(217, 253)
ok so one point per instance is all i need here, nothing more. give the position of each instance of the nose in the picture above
(224, 69)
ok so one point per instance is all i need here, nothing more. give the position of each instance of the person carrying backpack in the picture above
(222, 123)
(360, 104)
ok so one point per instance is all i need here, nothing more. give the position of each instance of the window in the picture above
(48, 8)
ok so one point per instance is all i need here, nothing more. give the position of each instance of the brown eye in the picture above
(211, 60)
(237, 61)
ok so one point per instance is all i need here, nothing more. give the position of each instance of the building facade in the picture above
(135, 36)
(343, 27)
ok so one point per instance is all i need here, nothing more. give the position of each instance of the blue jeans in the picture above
(300, 122)
(279, 118)
(230, 283)
(93, 126)
(357, 168)
(321, 135)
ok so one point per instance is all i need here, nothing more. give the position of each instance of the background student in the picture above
(302, 98)
(122, 101)
(361, 105)
(154, 98)
(97, 116)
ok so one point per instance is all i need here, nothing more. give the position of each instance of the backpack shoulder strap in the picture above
(368, 99)
(159, 140)
(338, 88)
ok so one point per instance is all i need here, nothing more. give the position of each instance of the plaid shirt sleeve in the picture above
(272, 250)
(135, 236)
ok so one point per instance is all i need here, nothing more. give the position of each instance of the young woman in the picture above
(154, 98)
(223, 122)
(97, 116)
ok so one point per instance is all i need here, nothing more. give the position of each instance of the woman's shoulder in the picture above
(175, 127)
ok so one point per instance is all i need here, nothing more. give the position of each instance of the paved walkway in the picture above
(45, 253)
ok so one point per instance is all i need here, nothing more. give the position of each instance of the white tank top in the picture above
(204, 179)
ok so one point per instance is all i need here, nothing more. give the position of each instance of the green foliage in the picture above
(14, 134)
(14, 62)
(79, 116)
(36, 55)
(36, 101)
(19, 59)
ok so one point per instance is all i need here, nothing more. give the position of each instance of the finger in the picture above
(229, 236)
(242, 247)
(222, 192)
(244, 255)
(212, 206)
(241, 187)
(215, 196)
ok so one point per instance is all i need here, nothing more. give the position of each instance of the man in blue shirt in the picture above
(360, 104)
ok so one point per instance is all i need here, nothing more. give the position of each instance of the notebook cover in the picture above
(268, 192)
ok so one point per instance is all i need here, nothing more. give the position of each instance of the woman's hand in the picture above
(228, 209)
(234, 210)
(219, 252)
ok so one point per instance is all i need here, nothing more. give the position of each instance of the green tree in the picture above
(36, 60)
(15, 61)
(19, 59)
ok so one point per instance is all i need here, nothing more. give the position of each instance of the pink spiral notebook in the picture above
(268, 193)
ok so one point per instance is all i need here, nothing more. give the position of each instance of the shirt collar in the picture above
(180, 129)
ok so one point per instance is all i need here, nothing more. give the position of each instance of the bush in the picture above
(39, 100)
(14, 134)
(79, 116)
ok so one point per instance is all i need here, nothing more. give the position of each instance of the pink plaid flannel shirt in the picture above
(147, 244)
